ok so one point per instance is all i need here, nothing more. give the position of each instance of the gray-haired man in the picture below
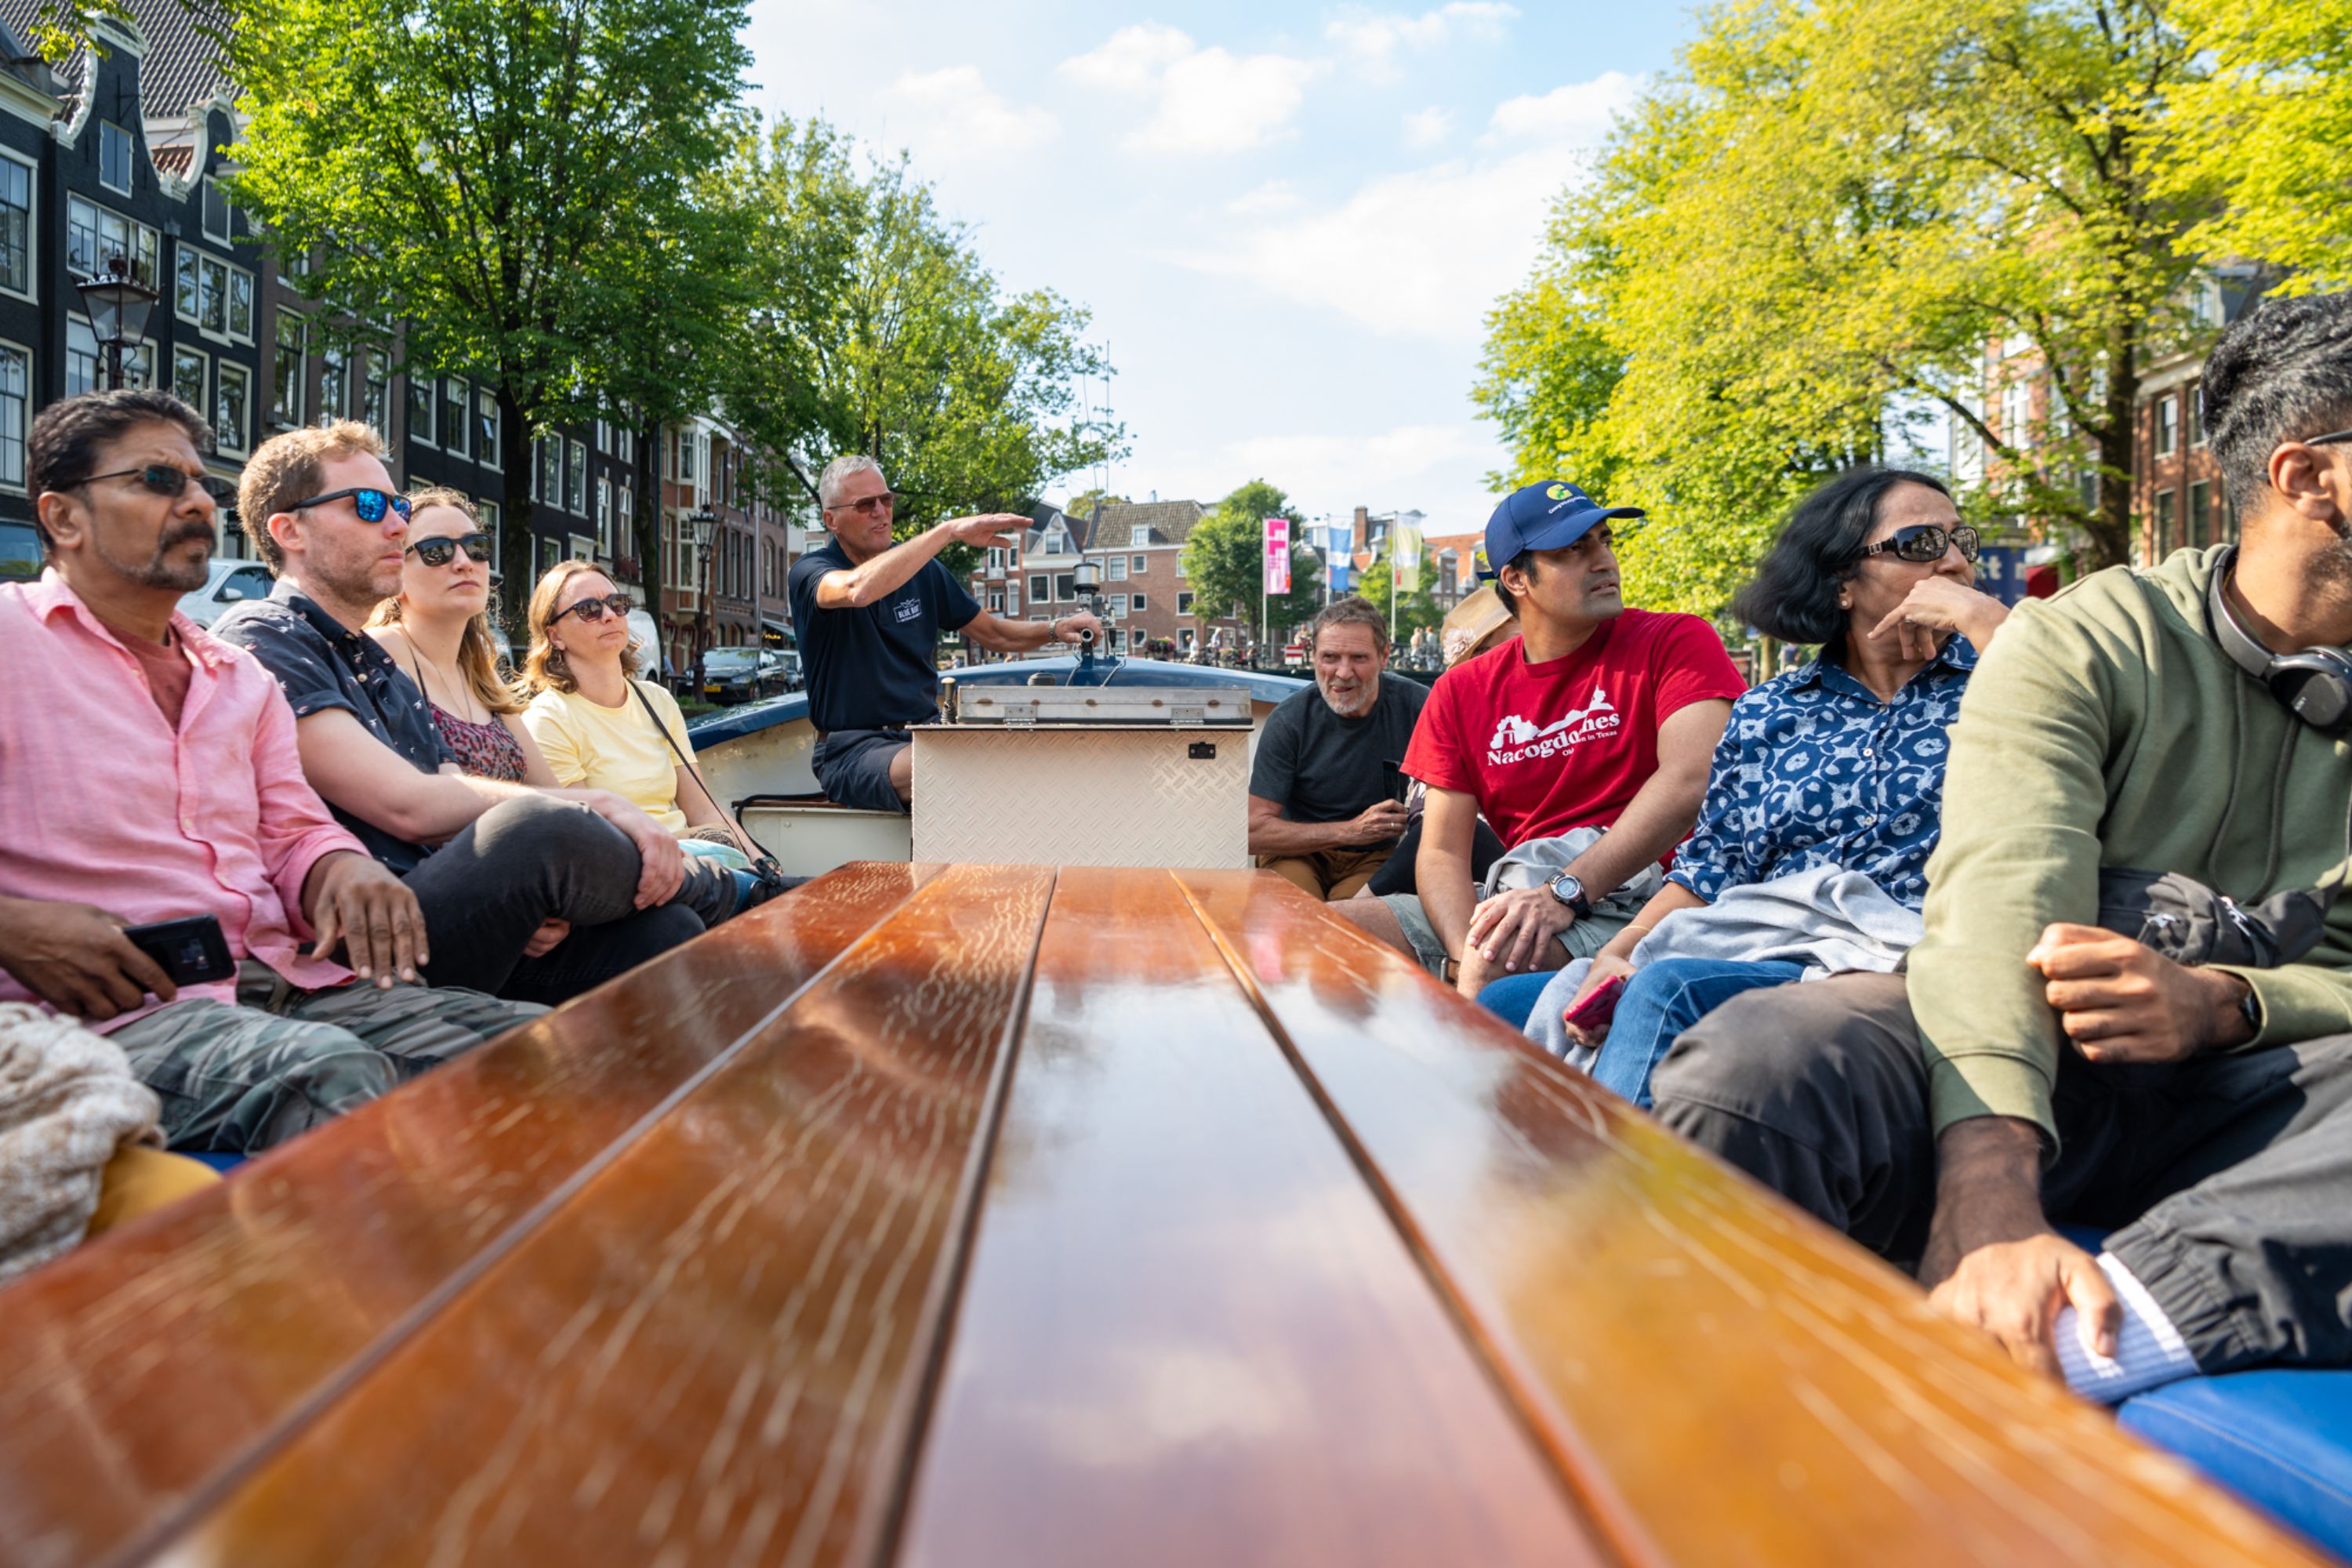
(869, 612)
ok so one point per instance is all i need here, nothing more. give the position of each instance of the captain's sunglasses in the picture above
(438, 552)
(172, 482)
(593, 610)
(368, 501)
(1925, 541)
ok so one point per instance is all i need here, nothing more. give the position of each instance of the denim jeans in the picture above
(1660, 1001)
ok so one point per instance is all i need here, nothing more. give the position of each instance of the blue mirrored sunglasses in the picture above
(369, 502)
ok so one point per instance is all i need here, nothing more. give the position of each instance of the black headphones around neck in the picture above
(2314, 684)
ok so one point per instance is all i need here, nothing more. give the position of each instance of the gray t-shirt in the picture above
(1324, 768)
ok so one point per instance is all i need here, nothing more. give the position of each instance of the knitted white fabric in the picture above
(67, 1102)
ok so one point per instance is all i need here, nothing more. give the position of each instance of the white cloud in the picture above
(946, 115)
(1274, 196)
(1428, 127)
(1374, 39)
(1132, 59)
(1432, 468)
(1425, 253)
(1203, 100)
(1579, 111)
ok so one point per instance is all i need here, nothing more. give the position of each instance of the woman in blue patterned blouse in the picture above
(1837, 763)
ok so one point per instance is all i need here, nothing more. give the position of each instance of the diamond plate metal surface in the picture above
(1082, 797)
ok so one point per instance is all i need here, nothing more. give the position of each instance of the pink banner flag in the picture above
(1277, 556)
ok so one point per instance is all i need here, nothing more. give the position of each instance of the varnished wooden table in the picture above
(993, 1216)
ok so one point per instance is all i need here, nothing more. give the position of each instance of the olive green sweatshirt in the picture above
(2107, 728)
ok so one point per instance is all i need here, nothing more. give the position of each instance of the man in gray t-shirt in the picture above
(1325, 798)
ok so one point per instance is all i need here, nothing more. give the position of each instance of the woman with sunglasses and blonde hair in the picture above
(437, 628)
(600, 727)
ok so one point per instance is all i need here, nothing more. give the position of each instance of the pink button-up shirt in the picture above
(103, 805)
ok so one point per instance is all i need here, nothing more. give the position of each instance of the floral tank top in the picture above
(486, 751)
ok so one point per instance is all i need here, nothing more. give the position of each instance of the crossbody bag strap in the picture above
(692, 771)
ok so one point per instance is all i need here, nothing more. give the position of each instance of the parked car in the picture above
(741, 674)
(230, 582)
(20, 553)
(794, 679)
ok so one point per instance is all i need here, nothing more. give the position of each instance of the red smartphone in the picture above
(1598, 1008)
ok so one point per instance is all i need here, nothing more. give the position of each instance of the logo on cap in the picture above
(1557, 492)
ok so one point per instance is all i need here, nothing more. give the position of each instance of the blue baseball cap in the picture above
(1549, 514)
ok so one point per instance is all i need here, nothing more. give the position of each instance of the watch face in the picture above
(1566, 888)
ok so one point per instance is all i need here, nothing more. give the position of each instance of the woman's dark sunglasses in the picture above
(1925, 541)
(594, 609)
(438, 552)
(171, 483)
(368, 502)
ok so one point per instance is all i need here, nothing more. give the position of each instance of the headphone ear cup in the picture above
(2315, 686)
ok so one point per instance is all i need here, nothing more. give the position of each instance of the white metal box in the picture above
(1083, 794)
(1179, 705)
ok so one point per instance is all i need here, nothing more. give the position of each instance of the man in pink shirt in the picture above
(153, 775)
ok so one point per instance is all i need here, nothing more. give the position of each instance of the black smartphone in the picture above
(190, 950)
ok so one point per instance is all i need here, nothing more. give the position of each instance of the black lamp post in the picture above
(705, 524)
(118, 303)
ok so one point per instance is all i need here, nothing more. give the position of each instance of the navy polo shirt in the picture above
(320, 663)
(878, 665)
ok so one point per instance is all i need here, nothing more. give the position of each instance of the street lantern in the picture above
(118, 303)
(1088, 578)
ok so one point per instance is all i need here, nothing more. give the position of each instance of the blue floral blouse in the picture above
(1814, 770)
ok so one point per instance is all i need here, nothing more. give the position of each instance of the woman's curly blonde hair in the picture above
(543, 667)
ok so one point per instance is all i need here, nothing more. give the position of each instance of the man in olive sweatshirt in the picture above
(2033, 1067)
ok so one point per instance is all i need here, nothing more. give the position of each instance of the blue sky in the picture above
(1288, 220)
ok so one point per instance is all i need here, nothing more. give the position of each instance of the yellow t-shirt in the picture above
(616, 749)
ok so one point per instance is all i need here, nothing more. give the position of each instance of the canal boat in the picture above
(1049, 1215)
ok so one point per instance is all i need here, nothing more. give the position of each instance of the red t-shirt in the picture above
(1548, 748)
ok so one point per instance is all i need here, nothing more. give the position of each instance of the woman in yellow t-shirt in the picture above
(596, 721)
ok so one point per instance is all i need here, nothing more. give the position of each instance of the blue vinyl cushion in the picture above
(2280, 1437)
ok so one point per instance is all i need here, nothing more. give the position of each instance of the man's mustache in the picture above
(186, 533)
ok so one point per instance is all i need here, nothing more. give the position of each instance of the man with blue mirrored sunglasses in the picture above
(500, 869)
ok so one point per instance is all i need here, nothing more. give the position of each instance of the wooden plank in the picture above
(156, 1358)
(1189, 1333)
(1724, 1379)
(711, 1353)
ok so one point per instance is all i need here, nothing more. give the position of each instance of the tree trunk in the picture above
(519, 542)
(2111, 524)
(644, 528)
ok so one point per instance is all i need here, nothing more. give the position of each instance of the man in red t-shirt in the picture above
(1595, 717)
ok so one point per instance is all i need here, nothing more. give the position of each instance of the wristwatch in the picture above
(1565, 886)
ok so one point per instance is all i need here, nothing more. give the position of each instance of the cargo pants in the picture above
(237, 1080)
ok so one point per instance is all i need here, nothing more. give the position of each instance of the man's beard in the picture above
(1354, 705)
(157, 571)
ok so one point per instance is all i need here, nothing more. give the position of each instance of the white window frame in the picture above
(1137, 601)
(604, 513)
(488, 428)
(244, 434)
(575, 478)
(25, 422)
(130, 159)
(210, 194)
(1139, 564)
(453, 391)
(1118, 569)
(32, 238)
(295, 420)
(428, 404)
(203, 374)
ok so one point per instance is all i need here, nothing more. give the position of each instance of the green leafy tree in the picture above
(501, 179)
(1410, 611)
(878, 331)
(2267, 131)
(1835, 223)
(1224, 557)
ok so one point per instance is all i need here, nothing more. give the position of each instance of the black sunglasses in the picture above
(438, 552)
(367, 501)
(594, 609)
(1925, 541)
(172, 482)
